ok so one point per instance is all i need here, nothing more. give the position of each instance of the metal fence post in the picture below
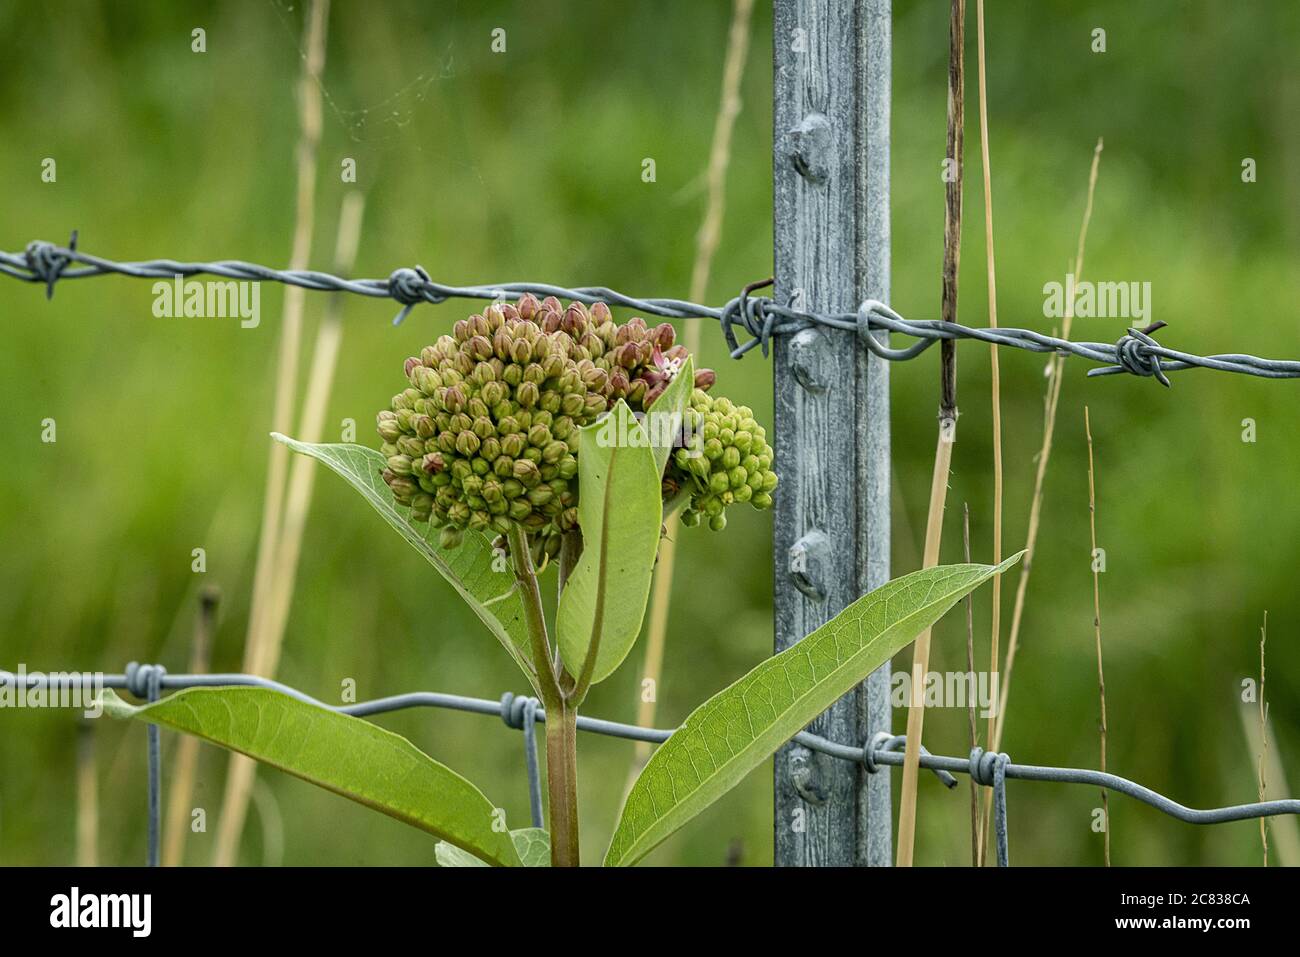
(831, 232)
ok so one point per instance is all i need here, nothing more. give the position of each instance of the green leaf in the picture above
(485, 582)
(739, 727)
(665, 413)
(621, 513)
(346, 755)
(532, 844)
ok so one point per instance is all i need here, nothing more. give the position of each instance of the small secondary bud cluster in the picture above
(727, 460)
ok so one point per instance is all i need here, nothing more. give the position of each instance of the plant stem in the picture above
(1096, 626)
(534, 618)
(561, 713)
(562, 781)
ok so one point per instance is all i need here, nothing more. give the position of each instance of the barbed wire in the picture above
(761, 317)
(148, 681)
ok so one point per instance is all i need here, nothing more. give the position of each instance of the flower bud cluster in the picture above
(487, 432)
(725, 460)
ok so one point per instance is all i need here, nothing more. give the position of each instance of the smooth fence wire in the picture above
(761, 317)
(989, 769)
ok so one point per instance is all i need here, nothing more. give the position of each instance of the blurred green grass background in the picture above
(527, 165)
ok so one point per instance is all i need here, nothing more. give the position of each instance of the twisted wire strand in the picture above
(884, 749)
(761, 317)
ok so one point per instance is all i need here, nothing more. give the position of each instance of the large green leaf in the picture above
(483, 578)
(739, 727)
(621, 513)
(346, 755)
(532, 844)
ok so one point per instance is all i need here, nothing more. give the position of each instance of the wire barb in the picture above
(762, 317)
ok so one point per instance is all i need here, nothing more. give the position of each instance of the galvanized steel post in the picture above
(831, 234)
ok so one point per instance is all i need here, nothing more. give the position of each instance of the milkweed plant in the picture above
(538, 440)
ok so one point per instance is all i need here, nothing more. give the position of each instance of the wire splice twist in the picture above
(1133, 352)
(515, 710)
(47, 261)
(144, 681)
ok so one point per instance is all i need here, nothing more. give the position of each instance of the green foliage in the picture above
(667, 413)
(479, 574)
(532, 844)
(621, 513)
(346, 755)
(738, 728)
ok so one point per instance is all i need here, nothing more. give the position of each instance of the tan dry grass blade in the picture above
(995, 371)
(947, 422)
(239, 776)
(1096, 626)
(1056, 367)
(1044, 456)
(87, 797)
(181, 783)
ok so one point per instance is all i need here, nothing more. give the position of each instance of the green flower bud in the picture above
(423, 425)
(540, 495)
(513, 445)
(410, 446)
(467, 443)
(526, 472)
(386, 423)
